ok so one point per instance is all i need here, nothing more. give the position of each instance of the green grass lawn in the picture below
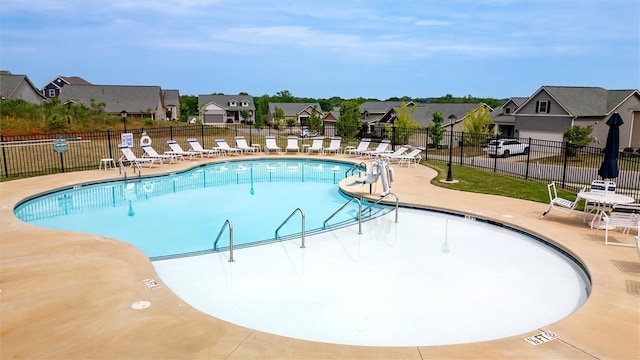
(486, 182)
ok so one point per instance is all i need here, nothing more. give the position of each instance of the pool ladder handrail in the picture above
(123, 169)
(288, 218)
(382, 198)
(324, 224)
(215, 243)
(354, 167)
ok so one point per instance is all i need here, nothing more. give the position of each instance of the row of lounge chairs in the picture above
(403, 155)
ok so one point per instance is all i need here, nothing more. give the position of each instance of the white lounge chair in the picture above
(413, 157)
(558, 203)
(382, 148)
(292, 144)
(226, 149)
(316, 145)
(150, 152)
(623, 216)
(197, 147)
(133, 160)
(394, 156)
(362, 146)
(176, 149)
(334, 146)
(241, 143)
(270, 144)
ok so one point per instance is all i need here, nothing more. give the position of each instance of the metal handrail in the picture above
(354, 167)
(287, 219)
(382, 198)
(215, 243)
(122, 169)
(324, 225)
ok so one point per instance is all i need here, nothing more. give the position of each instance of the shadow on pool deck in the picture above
(69, 295)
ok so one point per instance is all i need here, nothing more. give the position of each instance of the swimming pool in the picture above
(182, 214)
(430, 279)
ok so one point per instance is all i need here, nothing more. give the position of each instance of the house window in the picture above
(507, 110)
(245, 103)
(52, 93)
(233, 103)
(542, 106)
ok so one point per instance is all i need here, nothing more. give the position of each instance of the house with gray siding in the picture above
(551, 110)
(504, 119)
(222, 109)
(172, 104)
(19, 87)
(300, 112)
(53, 87)
(138, 101)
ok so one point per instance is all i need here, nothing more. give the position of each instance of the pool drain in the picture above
(139, 305)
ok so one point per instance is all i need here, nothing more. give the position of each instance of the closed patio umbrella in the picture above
(609, 167)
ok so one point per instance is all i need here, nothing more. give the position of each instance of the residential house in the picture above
(332, 115)
(172, 104)
(552, 109)
(300, 112)
(19, 87)
(52, 89)
(138, 101)
(376, 114)
(504, 119)
(221, 109)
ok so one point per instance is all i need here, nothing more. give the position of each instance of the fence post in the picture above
(109, 143)
(393, 137)
(526, 171)
(461, 144)
(426, 145)
(566, 159)
(4, 156)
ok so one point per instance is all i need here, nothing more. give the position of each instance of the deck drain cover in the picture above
(140, 305)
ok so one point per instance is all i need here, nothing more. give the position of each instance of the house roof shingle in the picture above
(133, 99)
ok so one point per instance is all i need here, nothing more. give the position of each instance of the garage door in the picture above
(541, 135)
(213, 118)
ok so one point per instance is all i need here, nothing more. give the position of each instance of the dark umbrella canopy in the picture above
(609, 167)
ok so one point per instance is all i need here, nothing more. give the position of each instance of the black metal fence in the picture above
(571, 167)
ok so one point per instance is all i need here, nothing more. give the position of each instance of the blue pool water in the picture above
(184, 213)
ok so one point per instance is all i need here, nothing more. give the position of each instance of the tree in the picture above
(246, 116)
(436, 131)
(349, 122)
(188, 107)
(404, 123)
(478, 124)
(577, 137)
(314, 122)
(278, 116)
(284, 96)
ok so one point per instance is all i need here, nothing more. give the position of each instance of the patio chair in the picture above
(412, 157)
(133, 160)
(334, 145)
(623, 216)
(226, 149)
(379, 150)
(558, 203)
(150, 152)
(316, 145)
(292, 144)
(195, 146)
(355, 150)
(241, 143)
(594, 207)
(271, 145)
(176, 149)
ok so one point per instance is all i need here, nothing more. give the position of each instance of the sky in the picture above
(320, 49)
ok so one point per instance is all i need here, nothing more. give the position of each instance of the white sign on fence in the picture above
(126, 139)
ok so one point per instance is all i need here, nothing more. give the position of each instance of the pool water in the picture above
(184, 213)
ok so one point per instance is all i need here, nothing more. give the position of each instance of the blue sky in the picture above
(320, 49)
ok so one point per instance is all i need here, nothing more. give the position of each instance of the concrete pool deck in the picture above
(69, 295)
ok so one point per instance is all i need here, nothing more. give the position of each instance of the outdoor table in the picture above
(604, 198)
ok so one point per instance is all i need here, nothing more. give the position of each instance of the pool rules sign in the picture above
(60, 145)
